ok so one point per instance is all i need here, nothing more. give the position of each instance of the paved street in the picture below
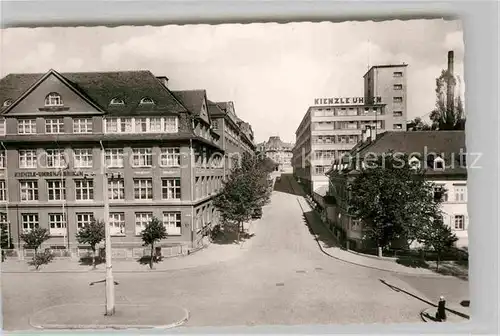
(283, 278)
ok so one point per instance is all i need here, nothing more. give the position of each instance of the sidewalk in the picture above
(330, 246)
(210, 255)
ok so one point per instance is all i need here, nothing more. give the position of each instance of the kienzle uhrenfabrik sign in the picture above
(345, 100)
(52, 173)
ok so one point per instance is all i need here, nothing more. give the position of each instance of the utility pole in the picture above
(110, 284)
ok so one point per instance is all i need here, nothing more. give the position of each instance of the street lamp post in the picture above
(110, 284)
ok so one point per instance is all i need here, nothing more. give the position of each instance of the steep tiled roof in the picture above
(276, 142)
(102, 87)
(192, 99)
(214, 109)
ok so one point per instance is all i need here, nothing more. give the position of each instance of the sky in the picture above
(272, 72)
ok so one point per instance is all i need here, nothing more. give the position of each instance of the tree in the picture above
(443, 117)
(152, 233)
(392, 199)
(92, 234)
(33, 240)
(437, 236)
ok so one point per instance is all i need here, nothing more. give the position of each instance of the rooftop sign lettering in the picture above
(345, 100)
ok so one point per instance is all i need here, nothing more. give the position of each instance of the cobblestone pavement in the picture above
(283, 278)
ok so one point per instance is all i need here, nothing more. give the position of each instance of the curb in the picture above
(108, 326)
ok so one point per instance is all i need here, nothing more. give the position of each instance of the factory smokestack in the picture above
(450, 89)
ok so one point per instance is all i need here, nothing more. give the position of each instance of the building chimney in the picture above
(163, 80)
(450, 88)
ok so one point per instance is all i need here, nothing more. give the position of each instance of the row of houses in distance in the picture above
(72, 141)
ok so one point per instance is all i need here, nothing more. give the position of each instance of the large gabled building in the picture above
(442, 155)
(72, 142)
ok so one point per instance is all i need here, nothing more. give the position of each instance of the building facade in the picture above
(441, 153)
(74, 142)
(332, 126)
(280, 152)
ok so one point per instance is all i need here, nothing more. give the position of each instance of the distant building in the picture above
(280, 152)
(332, 126)
(441, 153)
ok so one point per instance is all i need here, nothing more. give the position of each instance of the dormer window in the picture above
(7, 102)
(438, 163)
(53, 99)
(147, 100)
(117, 101)
(414, 163)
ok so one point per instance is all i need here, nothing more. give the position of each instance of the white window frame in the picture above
(54, 125)
(83, 157)
(82, 125)
(172, 220)
(56, 158)
(3, 191)
(117, 223)
(460, 192)
(170, 157)
(397, 74)
(171, 188)
(83, 218)
(114, 157)
(29, 221)
(168, 124)
(84, 190)
(439, 160)
(57, 224)
(3, 126)
(142, 157)
(3, 163)
(116, 189)
(27, 158)
(143, 189)
(56, 190)
(26, 126)
(117, 101)
(397, 100)
(53, 99)
(141, 219)
(147, 100)
(398, 87)
(456, 219)
(28, 190)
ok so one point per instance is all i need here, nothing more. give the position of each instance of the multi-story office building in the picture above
(73, 142)
(280, 152)
(332, 126)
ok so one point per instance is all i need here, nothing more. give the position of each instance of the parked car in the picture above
(257, 213)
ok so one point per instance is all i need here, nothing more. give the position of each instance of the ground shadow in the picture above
(227, 237)
(465, 303)
(89, 261)
(399, 290)
(430, 317)
(318, 230)
(145, 260)
(412, 262)
(445, 268)
(283, 184)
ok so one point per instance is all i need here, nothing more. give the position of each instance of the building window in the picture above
(459, 221)
(143, 189)
(83, 158)
(55, 158)
(172, 222)
(27, 158)
(2, 127)
(116, 189)
(28, 190)
(26, 126)
(3, 191)
(53, 99)
(29, 221)
(397, 126)
(114, 157)
(215, 124)
(170, 157)
(56, 190)
(397, 113)
(141, 125)
(117, 223)
(398, 86)
(2, 159)
(319, 170)
(438, 163)
(171, 124)
(171, 188)
(398, 74)
(119, 125)
(141, 220)
(440, 193)
(147, 100)
(84, 190)
(57, 224)
(82, 125)
(117, 101)
(83, 219)
(460, 192)
(397, 99)
(142, 157)
(54, 126)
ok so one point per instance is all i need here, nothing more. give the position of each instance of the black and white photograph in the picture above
(181, 176)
